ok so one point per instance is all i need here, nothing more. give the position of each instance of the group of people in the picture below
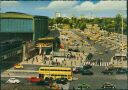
(75, 56)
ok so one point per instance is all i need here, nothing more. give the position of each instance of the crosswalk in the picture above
(99, 64)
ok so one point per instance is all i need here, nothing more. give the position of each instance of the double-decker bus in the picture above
(56, 72)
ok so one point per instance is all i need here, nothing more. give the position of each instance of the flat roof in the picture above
(55, 68)
(20, 15)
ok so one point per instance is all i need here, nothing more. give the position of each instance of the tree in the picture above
(118, 23)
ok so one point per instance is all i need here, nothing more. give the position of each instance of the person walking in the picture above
(32, 60)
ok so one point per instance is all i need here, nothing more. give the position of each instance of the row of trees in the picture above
(109, 24)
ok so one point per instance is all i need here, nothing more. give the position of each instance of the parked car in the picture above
(54, 86)
(121, 71)
(61, 80)
(108, 72)
(108, 86)
(13, 80)
(18, 66)
(85, 86)
(34, 79)
(77, 70)
(43, 83)
(88, 66)
(89, 57)
(87, 72)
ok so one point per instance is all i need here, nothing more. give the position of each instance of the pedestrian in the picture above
(32, 60)
(73, 88)
(9, 74)
(62, 88)
(36, 59)
(71, 63)
(75, 62)
(56, 60)
(27, 60)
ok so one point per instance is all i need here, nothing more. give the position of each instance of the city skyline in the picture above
(66, 8)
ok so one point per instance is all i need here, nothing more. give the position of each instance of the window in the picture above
(16, 25)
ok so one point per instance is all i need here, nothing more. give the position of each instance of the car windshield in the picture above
(12, 78)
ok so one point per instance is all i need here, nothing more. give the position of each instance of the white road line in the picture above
(22, 71)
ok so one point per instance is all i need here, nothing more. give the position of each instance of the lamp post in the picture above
(122, 33)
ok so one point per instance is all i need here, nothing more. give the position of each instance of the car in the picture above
(61, 81)
(43, 83)
(121, 71)
(85, 86)
(108, 86)
(87, 72)
(107, 72)
(100, 53)
(77, 70)
(54, 86)
(18, 66)
(13, 80)
(106, 51)
(76, 50)
(89, 57)
(79, 87)
(34, 79)
(88, 66)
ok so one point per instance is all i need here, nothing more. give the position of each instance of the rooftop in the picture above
(19, 15)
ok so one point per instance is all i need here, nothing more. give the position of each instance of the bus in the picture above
(56, 72)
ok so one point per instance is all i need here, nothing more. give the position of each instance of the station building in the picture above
(21, 26)
(24, 26)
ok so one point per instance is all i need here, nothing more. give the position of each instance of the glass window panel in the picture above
(16, 25)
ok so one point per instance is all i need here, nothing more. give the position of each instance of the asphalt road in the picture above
(105, 56)
(98, 79)
(24, 85)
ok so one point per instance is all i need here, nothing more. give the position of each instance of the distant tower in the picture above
(57, 14)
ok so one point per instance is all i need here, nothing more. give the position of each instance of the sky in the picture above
(94, 8)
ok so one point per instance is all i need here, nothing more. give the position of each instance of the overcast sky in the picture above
(67, 8)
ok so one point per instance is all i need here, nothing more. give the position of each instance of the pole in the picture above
(122, 38)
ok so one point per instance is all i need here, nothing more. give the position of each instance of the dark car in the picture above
(76, 50)
(61, 81)
(87, 66)
(89, 57)
(70, 49)
(108, 86)
(108, 72)
(121, 71)
(78, 70)
(87, 72)
(43, 83)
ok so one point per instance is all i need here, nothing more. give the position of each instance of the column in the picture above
(24, 53)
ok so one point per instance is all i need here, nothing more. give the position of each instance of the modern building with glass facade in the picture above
(24, 26)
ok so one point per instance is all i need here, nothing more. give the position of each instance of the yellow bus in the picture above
(56, 72)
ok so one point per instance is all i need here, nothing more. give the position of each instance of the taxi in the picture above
(18, 66)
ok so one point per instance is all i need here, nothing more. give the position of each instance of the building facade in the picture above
(24, 26)
(19, 26)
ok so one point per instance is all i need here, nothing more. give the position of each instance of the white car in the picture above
(13, 80)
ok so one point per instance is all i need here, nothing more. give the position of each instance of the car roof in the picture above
(12, 78)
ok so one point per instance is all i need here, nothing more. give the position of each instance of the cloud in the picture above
(101, 6)
(59, 5)
(74, 7)
(9, 3)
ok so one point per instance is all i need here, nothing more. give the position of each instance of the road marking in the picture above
(15, 76)
(32, 71)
